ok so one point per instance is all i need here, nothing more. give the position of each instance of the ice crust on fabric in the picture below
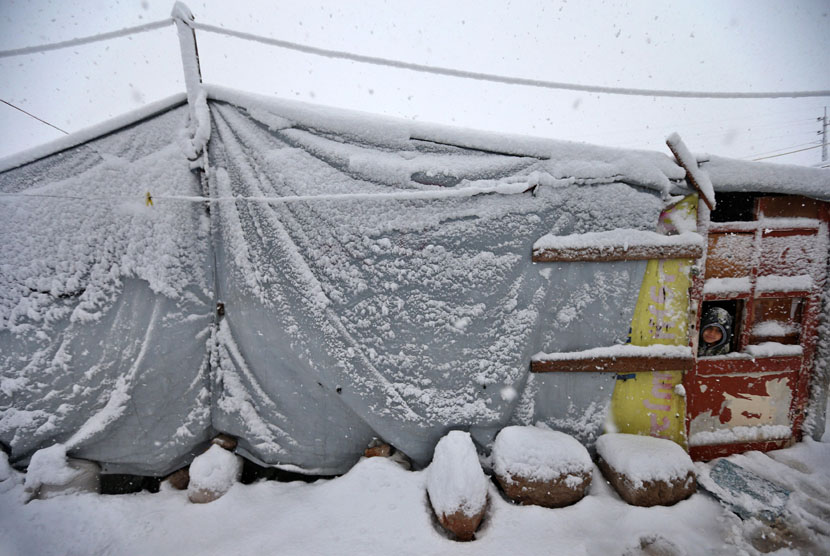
(562, 159)
(101, 296)
(402, 316)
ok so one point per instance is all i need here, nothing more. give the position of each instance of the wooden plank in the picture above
(678, 149)
(606, 253)
(613, 364)
(729, 365)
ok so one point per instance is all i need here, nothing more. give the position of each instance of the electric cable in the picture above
(791, 152)
(33, 116)
(338, 54)
(86, 40)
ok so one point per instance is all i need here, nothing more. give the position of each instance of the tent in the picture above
(307, 279)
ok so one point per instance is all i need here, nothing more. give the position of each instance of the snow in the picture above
(201, 133)
(727, 285)
(623, 350)
(561, 159)
(737, 434)
(690, 163)
(803, 282)
(773, 328)
(49, 466)
(380, 503)
(729, 174)
(455, 480)
(644, 458)
(773, 349)
(91, 280)
(90, 133)
(216, 470)
(624, 238)
(539, 454)
(766, 224)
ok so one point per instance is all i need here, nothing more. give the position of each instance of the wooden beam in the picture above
(687, 161)
(627, 364)
(607, 253)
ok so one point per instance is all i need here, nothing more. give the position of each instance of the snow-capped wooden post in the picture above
(190, 53)
(196, 96)
(698, 178)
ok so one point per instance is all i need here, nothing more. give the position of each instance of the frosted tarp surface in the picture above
(106, 304)
(397, 317)
(346, 318)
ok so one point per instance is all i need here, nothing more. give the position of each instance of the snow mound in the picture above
(455, 480)
(215, 471)
(644, 458)
(538, 454)
(49, 466)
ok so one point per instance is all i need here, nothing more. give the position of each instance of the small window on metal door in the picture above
(719, 327)
(777, 319)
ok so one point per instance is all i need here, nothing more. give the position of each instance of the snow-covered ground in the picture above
(381, 508)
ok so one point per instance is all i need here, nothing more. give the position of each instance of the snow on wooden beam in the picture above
(694, 175)
(625, 358)
(183, 18)
(617, 245)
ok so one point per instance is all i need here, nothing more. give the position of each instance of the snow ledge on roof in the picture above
(562, 159)
(731, 175)
(93, 132)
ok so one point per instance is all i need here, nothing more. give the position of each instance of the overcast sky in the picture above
(713, 46)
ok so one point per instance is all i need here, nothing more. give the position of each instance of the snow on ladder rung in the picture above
(617, 245)
(621, 358)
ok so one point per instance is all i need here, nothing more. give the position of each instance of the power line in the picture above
(773, 151)
(791, 152)
(33, 116)
(417, 67)
(86, 40)
(500, 78)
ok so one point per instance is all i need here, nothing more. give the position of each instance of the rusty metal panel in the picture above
(730, 255)
(731, 409)
(787, 253)
(791, 206)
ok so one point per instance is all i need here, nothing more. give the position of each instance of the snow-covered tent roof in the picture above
(375, 276)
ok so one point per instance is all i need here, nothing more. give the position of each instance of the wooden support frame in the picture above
(607, 253)
(618, 364)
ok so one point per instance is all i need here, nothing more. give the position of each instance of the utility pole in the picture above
(823, 134)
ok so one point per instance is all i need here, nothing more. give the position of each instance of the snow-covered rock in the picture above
(646, 471)
(457, 486)
(179, 479)
(541, 466)
(212, 474)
